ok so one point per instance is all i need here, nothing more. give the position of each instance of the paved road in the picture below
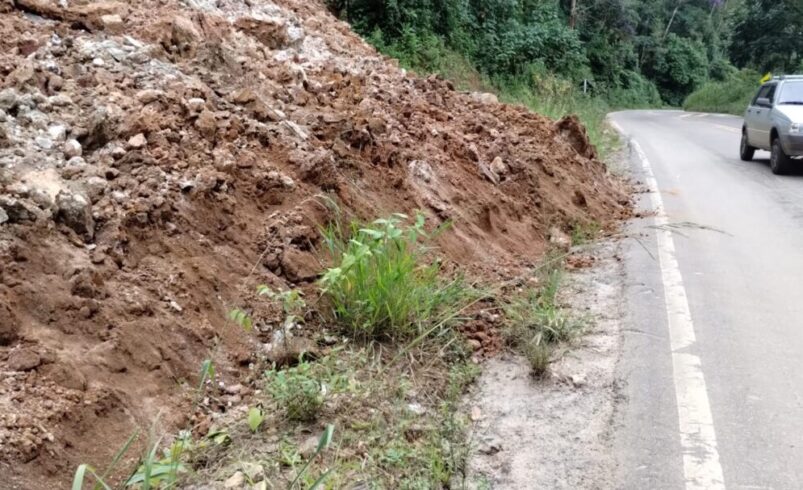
(739, 254)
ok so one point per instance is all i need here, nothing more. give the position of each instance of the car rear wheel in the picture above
(780, 163)
(746, 151)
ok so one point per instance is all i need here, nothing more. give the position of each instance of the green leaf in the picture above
(326, 438)
(78, 479)
(207, 372)
(255, 418)
(241, 318)
(320, 480)
(218, 436)
(117, 457)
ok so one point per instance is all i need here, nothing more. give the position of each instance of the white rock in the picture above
(196, 104)
(416, 408)
(44, 143)
(60, 100)
(76, 162)
(112, 23)
(149, 95)
(137, 141)
(58, 132)
(98, 62)
(287, 181)
(72, 148)
(236, 480)
(498, 166)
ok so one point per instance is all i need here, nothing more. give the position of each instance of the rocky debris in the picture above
(137, 142)
(57, 132)
(152, 152)
(559, 239)
(237, 480)
(112, 23)
(9, 325)
(74, 210)
(498, 167)
(23, 359)
(287, 351)
(485, 98)
(308, 447)
(72, 148)
(299, 266)
(17, 210)
(573, 131)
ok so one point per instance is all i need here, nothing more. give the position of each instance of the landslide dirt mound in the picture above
(158, 159)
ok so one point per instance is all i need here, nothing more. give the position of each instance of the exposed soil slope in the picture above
(159, 158)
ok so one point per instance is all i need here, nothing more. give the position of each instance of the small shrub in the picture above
(383, 285)
(538, 355)
(297, 391)
(583, 233)
(535, 322)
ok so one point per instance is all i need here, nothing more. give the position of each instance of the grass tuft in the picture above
(297, 391)
(383, 286)
(535, 323)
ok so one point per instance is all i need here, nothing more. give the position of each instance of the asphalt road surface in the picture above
(713, 349)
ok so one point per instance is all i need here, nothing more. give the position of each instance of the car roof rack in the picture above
(788, 77)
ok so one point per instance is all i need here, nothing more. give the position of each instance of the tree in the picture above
(768, 35)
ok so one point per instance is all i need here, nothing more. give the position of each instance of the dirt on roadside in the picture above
(557, 431)
(159, 159)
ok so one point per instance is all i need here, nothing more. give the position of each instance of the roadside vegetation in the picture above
(535, 323)
(378, 403)
(729, 96)
(589, 57)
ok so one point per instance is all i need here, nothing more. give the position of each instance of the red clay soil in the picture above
(160, 158)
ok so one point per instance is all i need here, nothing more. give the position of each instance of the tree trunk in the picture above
(672, 19)
(573, 14)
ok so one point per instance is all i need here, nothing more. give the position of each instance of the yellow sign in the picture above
(767, 78)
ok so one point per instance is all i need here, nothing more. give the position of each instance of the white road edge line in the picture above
(701, 466)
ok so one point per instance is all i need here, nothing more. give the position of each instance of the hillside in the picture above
(159, 159)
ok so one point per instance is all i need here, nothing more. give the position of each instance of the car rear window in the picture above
(791, 93)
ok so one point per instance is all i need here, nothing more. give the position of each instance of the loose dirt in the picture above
(555, 432)
(158, 159)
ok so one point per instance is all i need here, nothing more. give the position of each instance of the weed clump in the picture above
(383, 285)
(535, 323)
(297, 391)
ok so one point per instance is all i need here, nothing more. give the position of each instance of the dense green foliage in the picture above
(730, 96)
(600, 53)
(768, 35)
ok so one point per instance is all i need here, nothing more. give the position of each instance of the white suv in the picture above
(774, 122)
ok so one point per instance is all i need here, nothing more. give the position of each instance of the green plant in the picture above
(255, 418)
(297, 391)
(241, 318)
(161, 472)
(323, 444)
(584, 232)
(383, 285)
(730, 96)
(534, 322)
(538, 355)
(292, 301)
(83, 469)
